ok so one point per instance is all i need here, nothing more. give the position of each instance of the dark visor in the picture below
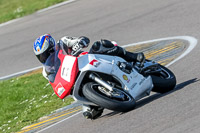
(43, 57)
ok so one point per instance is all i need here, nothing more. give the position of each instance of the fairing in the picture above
(65, 75)
(134, 83)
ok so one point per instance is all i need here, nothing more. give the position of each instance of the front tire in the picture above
(92, 93)
(164, 81)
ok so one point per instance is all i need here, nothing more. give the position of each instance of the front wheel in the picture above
(118, 100)
(163, 81)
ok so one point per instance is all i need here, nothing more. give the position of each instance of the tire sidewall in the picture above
(106, 102)
(162, 85)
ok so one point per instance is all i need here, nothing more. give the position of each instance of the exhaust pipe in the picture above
(101, 82)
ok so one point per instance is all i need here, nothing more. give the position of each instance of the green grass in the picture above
(24, 100)
(11, 9)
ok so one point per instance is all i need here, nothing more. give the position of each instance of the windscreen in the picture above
(52, 65)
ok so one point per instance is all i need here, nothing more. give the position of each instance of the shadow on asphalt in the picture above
(154, 97)
(158, 95)
(111, 114)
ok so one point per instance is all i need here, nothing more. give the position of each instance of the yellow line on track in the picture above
(166, 61)
(163, 50)
(148, 54)
(34, 126)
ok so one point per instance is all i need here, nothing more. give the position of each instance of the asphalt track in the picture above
(165, 51)
(125, 22)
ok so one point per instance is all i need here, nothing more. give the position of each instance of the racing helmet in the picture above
(43, 47)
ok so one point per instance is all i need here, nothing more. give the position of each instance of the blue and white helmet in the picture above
(43, 46)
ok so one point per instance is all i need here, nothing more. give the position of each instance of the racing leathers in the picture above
(73, 45)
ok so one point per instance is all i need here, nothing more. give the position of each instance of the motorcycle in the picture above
(102, 81)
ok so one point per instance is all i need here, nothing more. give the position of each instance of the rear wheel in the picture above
(164, 81)
(118, 100)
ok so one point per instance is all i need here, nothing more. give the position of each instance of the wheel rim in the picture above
(164, 74)
(117, 94)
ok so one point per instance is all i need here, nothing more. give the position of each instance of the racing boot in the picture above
(109, 48)
(131, 57)
(92, 112)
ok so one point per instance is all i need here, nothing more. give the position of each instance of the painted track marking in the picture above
(40, 11)
(192, 43)
(51, 120)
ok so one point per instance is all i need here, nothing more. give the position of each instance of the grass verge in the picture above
(11, 9)
(24, 100)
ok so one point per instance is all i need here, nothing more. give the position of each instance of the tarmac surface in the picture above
(125, 22)
(165, 51)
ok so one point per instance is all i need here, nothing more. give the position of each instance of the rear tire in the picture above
(92, 93)
(164, 81)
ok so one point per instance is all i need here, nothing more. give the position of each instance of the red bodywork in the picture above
(66, 75)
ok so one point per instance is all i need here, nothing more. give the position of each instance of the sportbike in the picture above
(103, 81)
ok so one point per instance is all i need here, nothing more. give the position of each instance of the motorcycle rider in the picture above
(45, 45)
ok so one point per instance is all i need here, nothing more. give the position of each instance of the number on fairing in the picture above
(67, 66)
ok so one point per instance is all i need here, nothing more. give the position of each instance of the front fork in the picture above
(101, 82)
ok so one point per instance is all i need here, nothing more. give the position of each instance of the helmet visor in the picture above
(43, 56)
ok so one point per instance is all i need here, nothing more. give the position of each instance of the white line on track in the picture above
(19, 73)
(192, 43)
(9, 22)
(55, 6)
(40, 11)
(59, 122)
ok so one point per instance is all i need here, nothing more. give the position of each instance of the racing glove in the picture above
(75, 42)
